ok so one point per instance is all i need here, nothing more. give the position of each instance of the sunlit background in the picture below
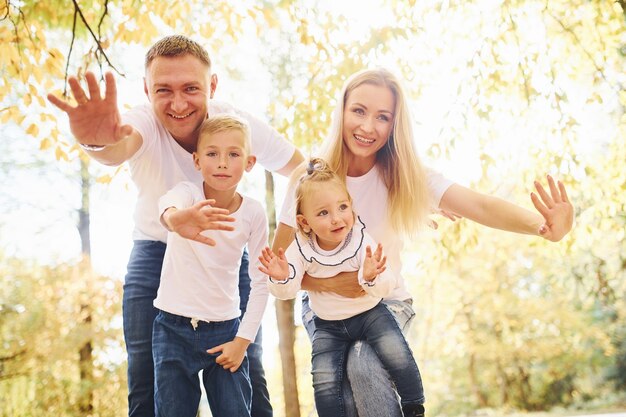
(501, 92)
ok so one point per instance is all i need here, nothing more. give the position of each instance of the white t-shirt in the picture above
(305, 255)
(369, 195)
(161, 163)
(201, 281)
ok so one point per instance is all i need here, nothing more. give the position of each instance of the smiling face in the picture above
(326, 210)
(179, 88)
(222, 158)
(368, 118)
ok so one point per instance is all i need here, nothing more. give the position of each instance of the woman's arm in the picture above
(344, 283)
(554, 220)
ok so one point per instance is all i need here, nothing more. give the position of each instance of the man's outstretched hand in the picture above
(94, 120)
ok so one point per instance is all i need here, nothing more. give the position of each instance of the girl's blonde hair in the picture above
(402, 171)
(313, 174)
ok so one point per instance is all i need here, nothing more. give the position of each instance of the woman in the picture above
(371, 146)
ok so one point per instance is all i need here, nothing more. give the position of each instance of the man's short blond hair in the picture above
(224, 123)
(177, 45)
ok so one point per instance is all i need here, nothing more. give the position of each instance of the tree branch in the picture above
(104, 13)
(519, 48)
(93, 35)
(69, 54)
(579, 43)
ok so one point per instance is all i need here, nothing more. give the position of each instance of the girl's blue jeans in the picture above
(367, 389)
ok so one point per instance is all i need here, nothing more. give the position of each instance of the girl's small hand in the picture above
(555, 208)
(232, 355)
(274, 266)
(374, 264)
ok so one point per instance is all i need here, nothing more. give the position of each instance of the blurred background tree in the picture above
(501, 92)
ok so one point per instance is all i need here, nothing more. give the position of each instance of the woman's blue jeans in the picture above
(368, 389)
(140, 290)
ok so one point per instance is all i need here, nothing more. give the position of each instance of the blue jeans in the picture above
(368, 390)
(140, 289)
(179, 351)
(379, 329)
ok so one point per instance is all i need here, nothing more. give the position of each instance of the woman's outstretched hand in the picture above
(555, 208)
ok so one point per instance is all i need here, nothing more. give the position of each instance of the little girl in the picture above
(330, 240)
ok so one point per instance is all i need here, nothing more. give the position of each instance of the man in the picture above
(157, 141)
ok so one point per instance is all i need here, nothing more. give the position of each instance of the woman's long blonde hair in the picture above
(402, 171)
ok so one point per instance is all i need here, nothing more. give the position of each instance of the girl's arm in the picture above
(553, 221)
(374, 277)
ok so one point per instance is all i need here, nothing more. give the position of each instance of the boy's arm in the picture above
(258, 289)
(96, 123)
(179, 214)
(233, 352)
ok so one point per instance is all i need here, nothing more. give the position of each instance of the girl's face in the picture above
(327, 212)
(367, 122)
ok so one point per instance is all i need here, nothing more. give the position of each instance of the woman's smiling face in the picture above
(368, 118)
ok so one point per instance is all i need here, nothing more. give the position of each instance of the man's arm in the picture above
(295, 160)
(95, 121)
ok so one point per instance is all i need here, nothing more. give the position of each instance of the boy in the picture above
(197, 327)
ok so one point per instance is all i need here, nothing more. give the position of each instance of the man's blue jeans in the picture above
(368, 388)
(179, 350)
(377, 327)
(140, 289)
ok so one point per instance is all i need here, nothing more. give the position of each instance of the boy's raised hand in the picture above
(190, 222)
(232, 355)
(276, 266)
(374, 264)
(555, 208)
(94, 120)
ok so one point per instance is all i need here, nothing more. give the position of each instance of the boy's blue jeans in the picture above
(140, 289)
(179, 351)
(368, 387)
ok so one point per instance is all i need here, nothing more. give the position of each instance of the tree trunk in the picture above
(285, 320)
(481, 398)
(86, 351)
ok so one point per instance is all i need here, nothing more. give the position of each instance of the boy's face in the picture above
(179, 88)
(222, 159)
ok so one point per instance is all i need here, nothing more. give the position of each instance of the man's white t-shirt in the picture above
(369, 195)
(161, 163)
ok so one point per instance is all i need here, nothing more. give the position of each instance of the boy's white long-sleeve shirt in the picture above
(202, 282)
(305, 255)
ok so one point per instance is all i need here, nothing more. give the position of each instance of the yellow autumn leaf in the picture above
(104, 179)
(60, 154)
(6, 116)
(33, 130)
(45, 144)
